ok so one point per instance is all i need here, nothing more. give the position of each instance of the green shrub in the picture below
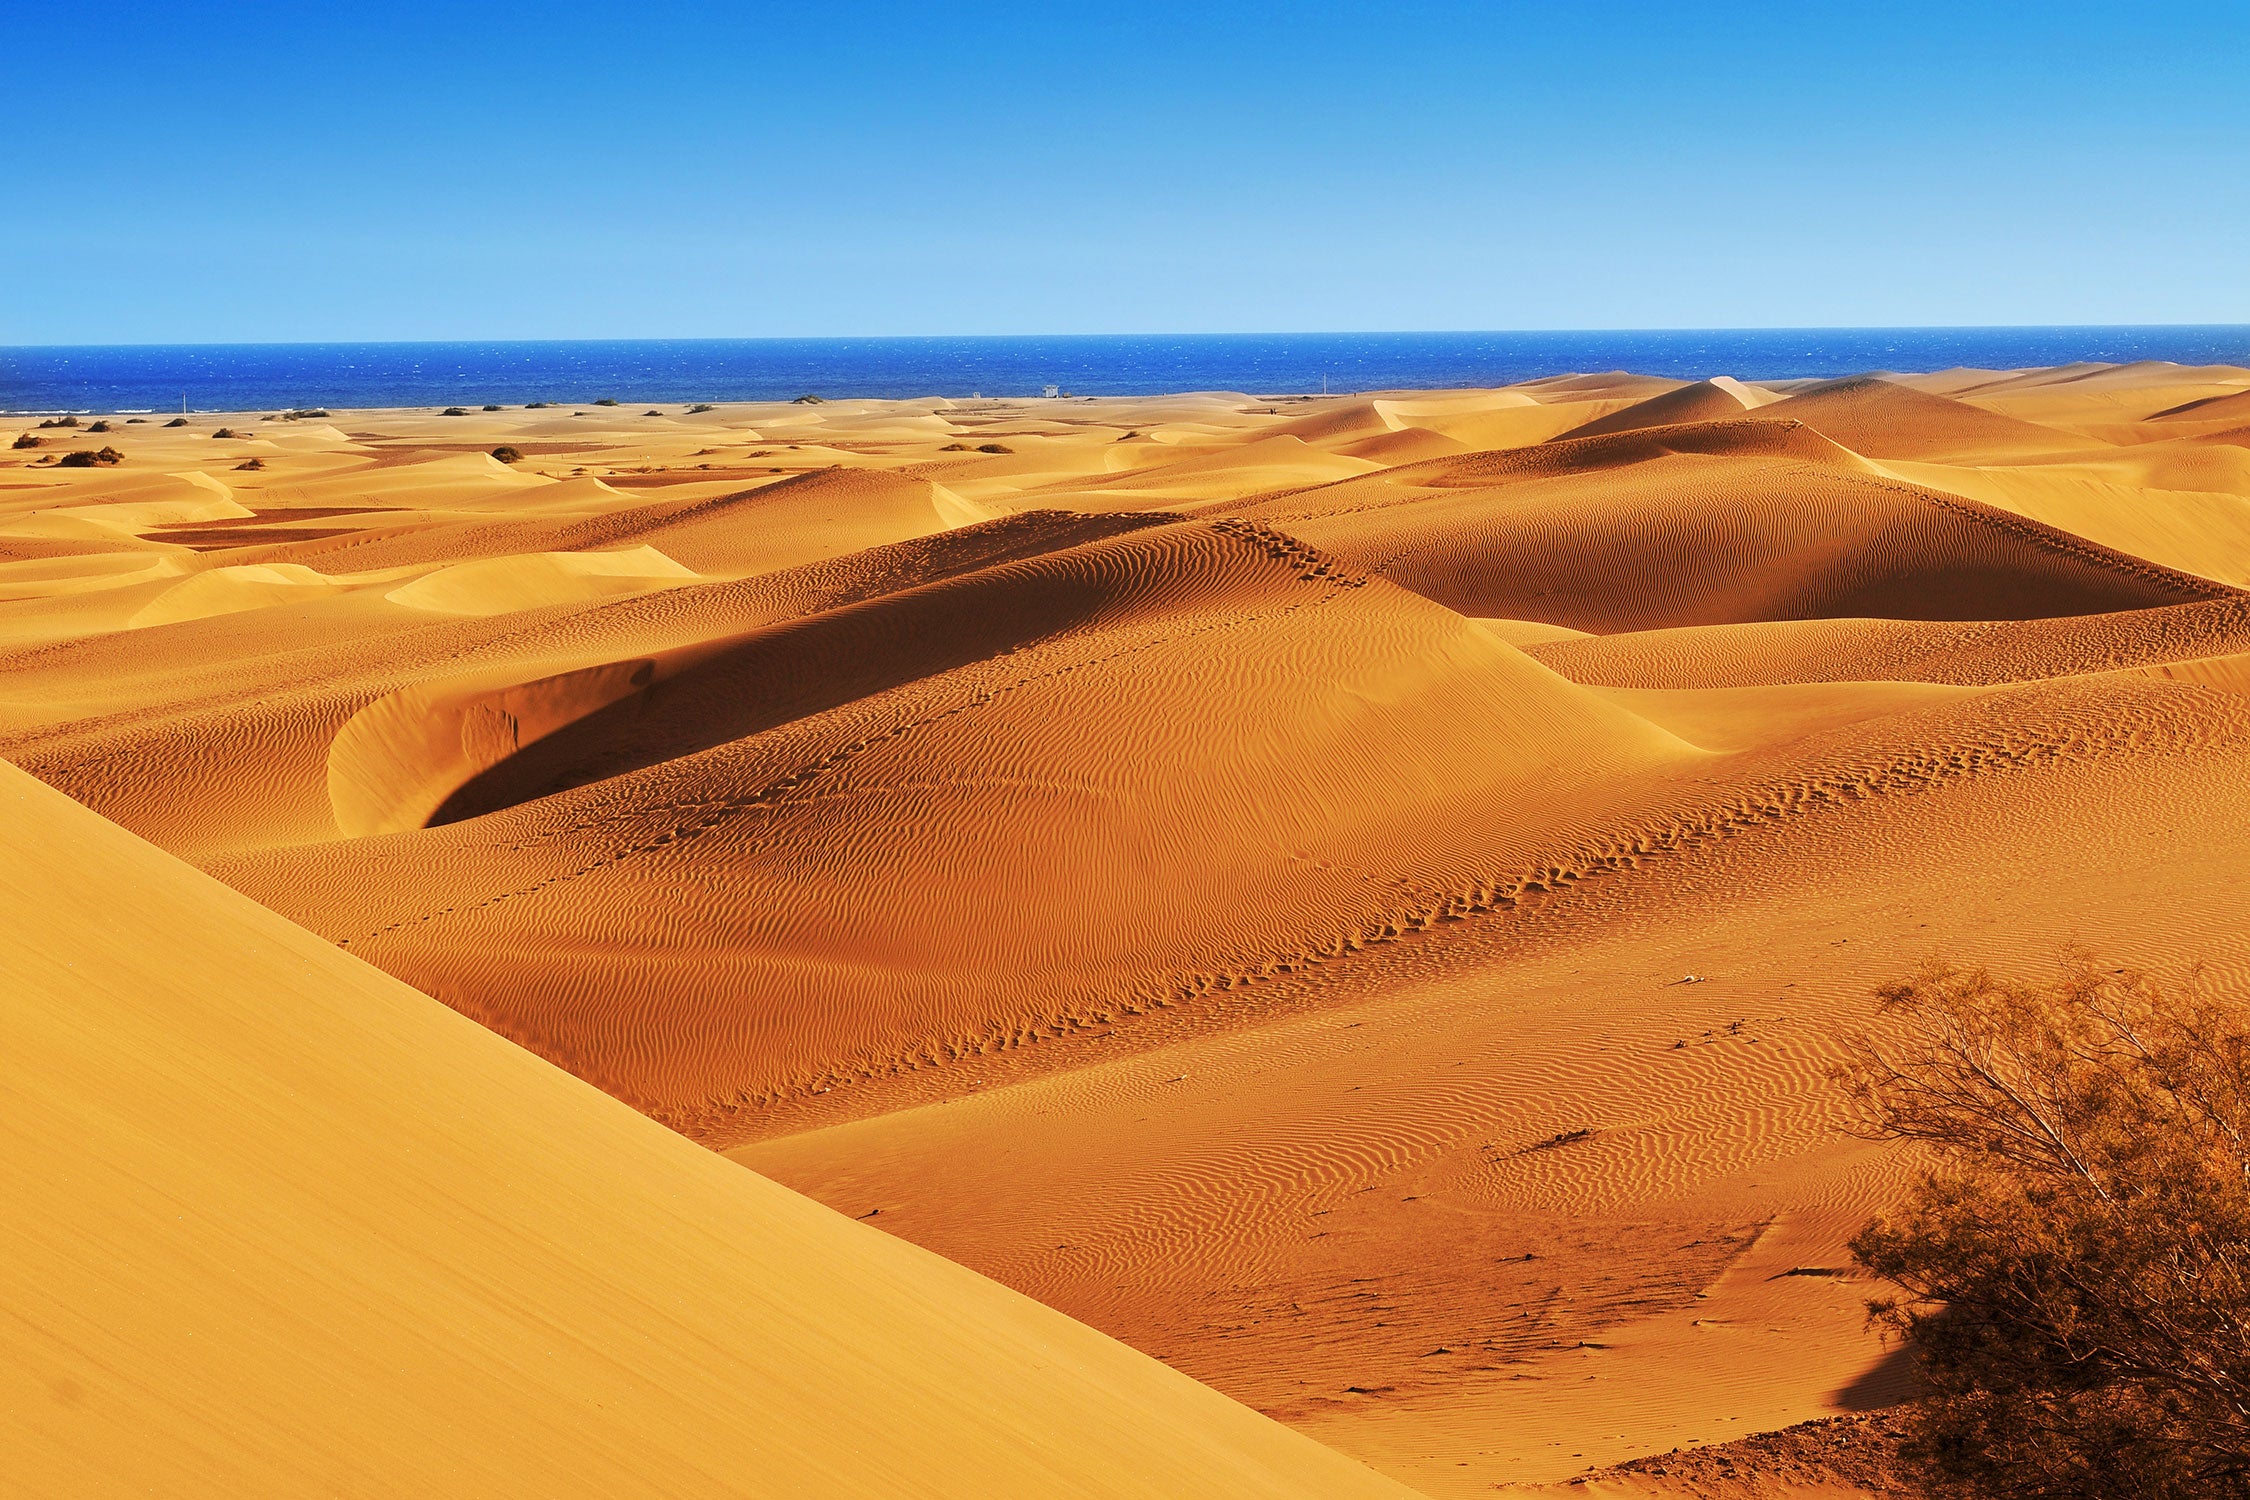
(607, 401)
(2074, 1274)
(454, 411)
(809, 400)
(495, 408)
(701, 406)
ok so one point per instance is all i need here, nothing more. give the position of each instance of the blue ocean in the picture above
(249, 377)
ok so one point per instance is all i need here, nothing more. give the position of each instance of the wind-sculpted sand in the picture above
(1354, 898)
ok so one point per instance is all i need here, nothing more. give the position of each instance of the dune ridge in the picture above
(283, 1223)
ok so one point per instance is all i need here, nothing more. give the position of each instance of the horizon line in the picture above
(845, 338)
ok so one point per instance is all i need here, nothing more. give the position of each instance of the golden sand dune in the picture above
(1027, 801)
(1716, 524)
(281, 1226)
(1711, 400)
(1354, 898)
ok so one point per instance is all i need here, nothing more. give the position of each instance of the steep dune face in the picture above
(1720, 656)
(1018, 803)
(283, 1226)
(1885, 419)
(1715, 400)
(1716, 525)
(1355, 898)
(227, 733)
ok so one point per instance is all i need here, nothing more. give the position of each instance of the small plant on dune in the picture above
(251, 463)
(607, 401)
(537, 405)
(99, 427)
(507, 455)
(809, 399)
(956, 448)
(60, 422)
(304, 412)
(494, 408)
(226, 432)
(86, 458)
(27, 440)
(2074, 1273)
(701, 406)
(994, 448)
(454, 411)
(177, 422)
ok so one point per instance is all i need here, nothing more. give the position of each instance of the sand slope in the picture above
(1011, 804)
(282, 1226)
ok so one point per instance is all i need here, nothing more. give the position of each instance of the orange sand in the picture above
(1354, 898)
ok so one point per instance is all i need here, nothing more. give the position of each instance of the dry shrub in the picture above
(87, 458)
(2074, 1273)
(507, 454)
(26, 440)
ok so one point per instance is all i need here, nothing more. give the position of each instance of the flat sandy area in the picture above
(1350, 903)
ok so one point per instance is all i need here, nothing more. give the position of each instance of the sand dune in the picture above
(1354, 898)
(1885, 419)
(283, 1225)
(1054, 881)
(1711, 400)
(1717, 524)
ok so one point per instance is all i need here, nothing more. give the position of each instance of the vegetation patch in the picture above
(2074, 1274)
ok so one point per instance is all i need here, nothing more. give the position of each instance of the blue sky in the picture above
(250, 172)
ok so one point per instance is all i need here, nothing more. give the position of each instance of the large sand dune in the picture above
(1353, 898)
(281, 1226)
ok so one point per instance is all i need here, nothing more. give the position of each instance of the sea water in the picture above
(252, 377)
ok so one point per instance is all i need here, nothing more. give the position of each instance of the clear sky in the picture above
(248, 171)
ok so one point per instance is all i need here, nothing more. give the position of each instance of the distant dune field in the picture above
(1355, 898)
